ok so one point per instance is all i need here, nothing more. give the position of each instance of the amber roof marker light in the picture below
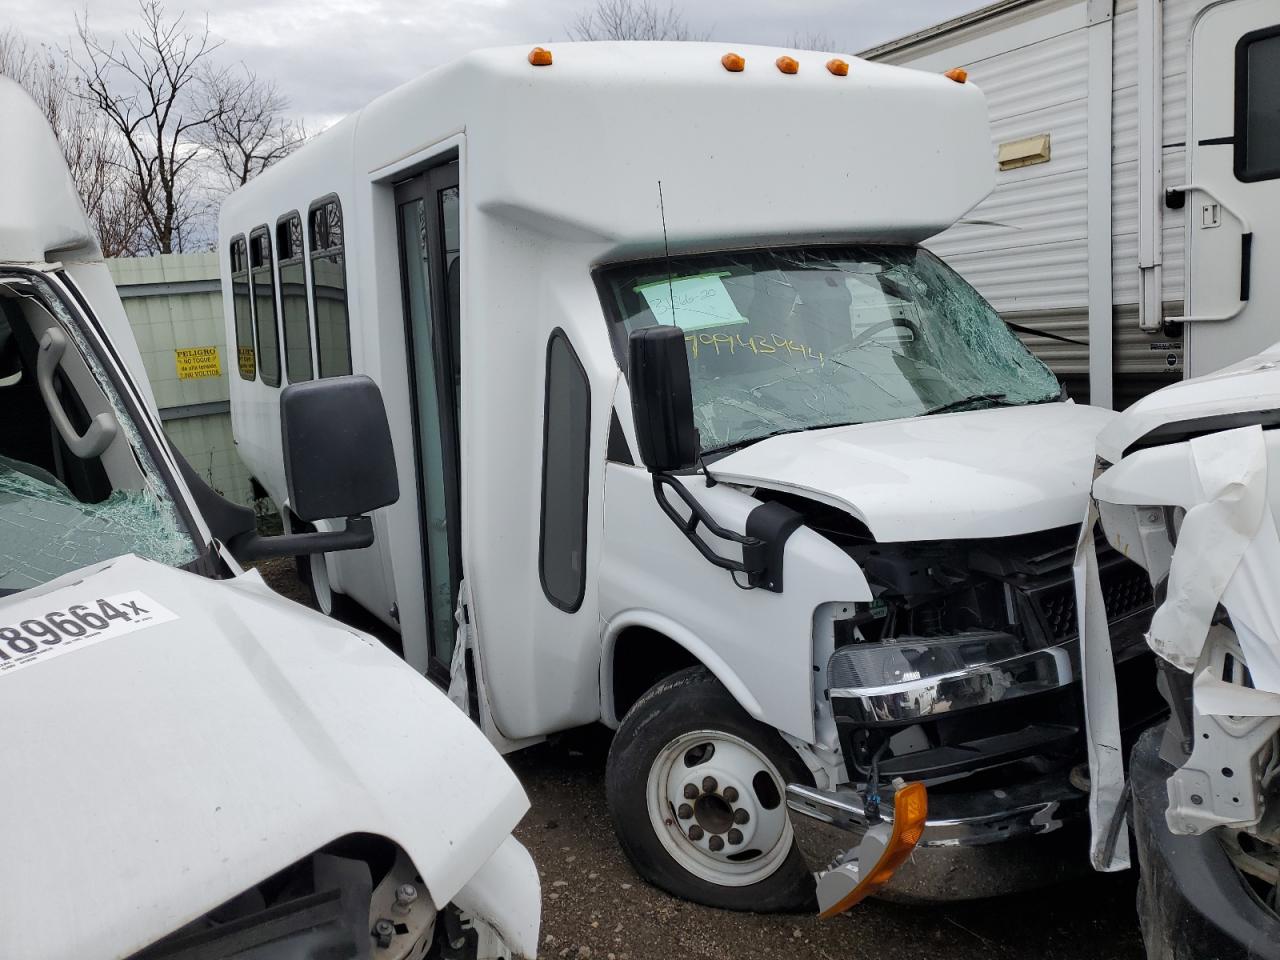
(540, 57)
(733, 62)
(788, 64)
(958, 74)
(838, 67)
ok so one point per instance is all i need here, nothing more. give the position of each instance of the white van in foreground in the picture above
(703, 445)
(192, 765)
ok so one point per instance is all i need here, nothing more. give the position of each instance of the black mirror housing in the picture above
(338, 457)
(662, 399)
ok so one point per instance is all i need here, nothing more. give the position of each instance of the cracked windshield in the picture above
(794, 339)
(59, 509)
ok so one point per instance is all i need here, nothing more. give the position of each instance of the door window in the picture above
(329, 288)
(1257, 135)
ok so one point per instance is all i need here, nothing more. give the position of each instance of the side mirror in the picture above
(338, 463)
(662, 399)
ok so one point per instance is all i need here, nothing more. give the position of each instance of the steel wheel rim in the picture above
(743, 779)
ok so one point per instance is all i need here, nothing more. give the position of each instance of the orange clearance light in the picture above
(882, 850)
(838, 67)
(788, 64)
(733, 62)
(958, 74)
(540, 57)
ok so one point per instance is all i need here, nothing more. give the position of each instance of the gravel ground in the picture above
(594, 906)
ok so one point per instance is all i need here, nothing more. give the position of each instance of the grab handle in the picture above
(102, 430)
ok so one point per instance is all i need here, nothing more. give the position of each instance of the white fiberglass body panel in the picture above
(160, 771)
(981, 473)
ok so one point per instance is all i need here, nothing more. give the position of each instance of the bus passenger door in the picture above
(427, 214)
(1232, 193)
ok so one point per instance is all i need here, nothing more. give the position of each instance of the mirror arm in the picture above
(698, 515)
(250, 545)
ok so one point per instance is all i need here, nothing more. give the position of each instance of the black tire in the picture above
(694, 700)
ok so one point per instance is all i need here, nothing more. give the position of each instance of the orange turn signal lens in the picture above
(788, 64)
(958, 74)
(910, 810)
(733, 62)
(838, 67)
(540, 57)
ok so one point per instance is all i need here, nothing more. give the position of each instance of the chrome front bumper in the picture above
(972, 844)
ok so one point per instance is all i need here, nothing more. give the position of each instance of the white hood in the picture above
(152, 774)
(984, 473)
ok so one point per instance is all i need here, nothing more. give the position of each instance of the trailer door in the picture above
(1232, 194)
(428, 218)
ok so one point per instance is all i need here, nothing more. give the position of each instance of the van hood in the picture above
(981, 473)
(162, 765)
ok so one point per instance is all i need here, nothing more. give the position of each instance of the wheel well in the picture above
(641, 657)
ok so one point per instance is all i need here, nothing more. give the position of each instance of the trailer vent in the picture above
(1024, 152)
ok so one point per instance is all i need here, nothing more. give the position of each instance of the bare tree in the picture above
(90, 145)
(248, 130)
(813, 40)
(632, 20)
(150, 87)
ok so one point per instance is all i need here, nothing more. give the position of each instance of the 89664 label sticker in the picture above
(32, 634)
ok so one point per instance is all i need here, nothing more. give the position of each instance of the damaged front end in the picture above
(963, 674)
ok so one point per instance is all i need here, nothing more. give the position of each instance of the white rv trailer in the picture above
(500, 245)
(1138, 183)
(200, 766)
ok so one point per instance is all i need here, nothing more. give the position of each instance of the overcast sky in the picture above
(332, 56)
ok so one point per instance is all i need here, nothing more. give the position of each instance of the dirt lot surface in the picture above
(594, 906)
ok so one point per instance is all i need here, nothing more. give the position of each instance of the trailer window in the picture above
(293, 298)
(1257, 133)
(329, 288)
(566, 435)
(262, 279)
(246, 356)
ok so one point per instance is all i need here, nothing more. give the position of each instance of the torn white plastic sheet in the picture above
(1101, 707)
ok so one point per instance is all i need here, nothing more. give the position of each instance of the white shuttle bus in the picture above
(700, 444)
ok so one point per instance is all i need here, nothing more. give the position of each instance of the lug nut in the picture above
(695, 833)
(690, 792)
(741, 816)
(684, 812)
(730, 794)
(709, 784)
(735, 836)
(716, 843)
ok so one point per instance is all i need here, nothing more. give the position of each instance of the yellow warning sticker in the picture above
(195, 363)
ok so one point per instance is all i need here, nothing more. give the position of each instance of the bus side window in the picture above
(566, 439)
(263, 283)
(246, 356)
(293, 298)
(329, 288)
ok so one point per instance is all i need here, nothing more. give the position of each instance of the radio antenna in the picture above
(666, 254)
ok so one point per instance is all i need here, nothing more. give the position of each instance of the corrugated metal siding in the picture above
(174, 303)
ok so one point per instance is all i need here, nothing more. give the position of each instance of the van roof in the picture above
(41, 216)
(576, 149)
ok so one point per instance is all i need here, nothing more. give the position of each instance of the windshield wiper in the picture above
(748, 441)
(995, 399)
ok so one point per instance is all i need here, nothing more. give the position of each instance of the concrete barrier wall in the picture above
(174, 304)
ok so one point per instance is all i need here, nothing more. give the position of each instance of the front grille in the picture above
(1126, 590)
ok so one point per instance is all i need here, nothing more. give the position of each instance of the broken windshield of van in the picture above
(59, 512)
(792, 339)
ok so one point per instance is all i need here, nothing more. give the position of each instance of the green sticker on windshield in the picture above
(691, 303)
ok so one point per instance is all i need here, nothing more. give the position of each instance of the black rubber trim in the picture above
(1182, 430)
(618, 450)
(1215, 141)
(770, 525)
(1246, 264)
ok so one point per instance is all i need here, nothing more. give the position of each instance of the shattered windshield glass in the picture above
(59, 512)
(780, 340)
